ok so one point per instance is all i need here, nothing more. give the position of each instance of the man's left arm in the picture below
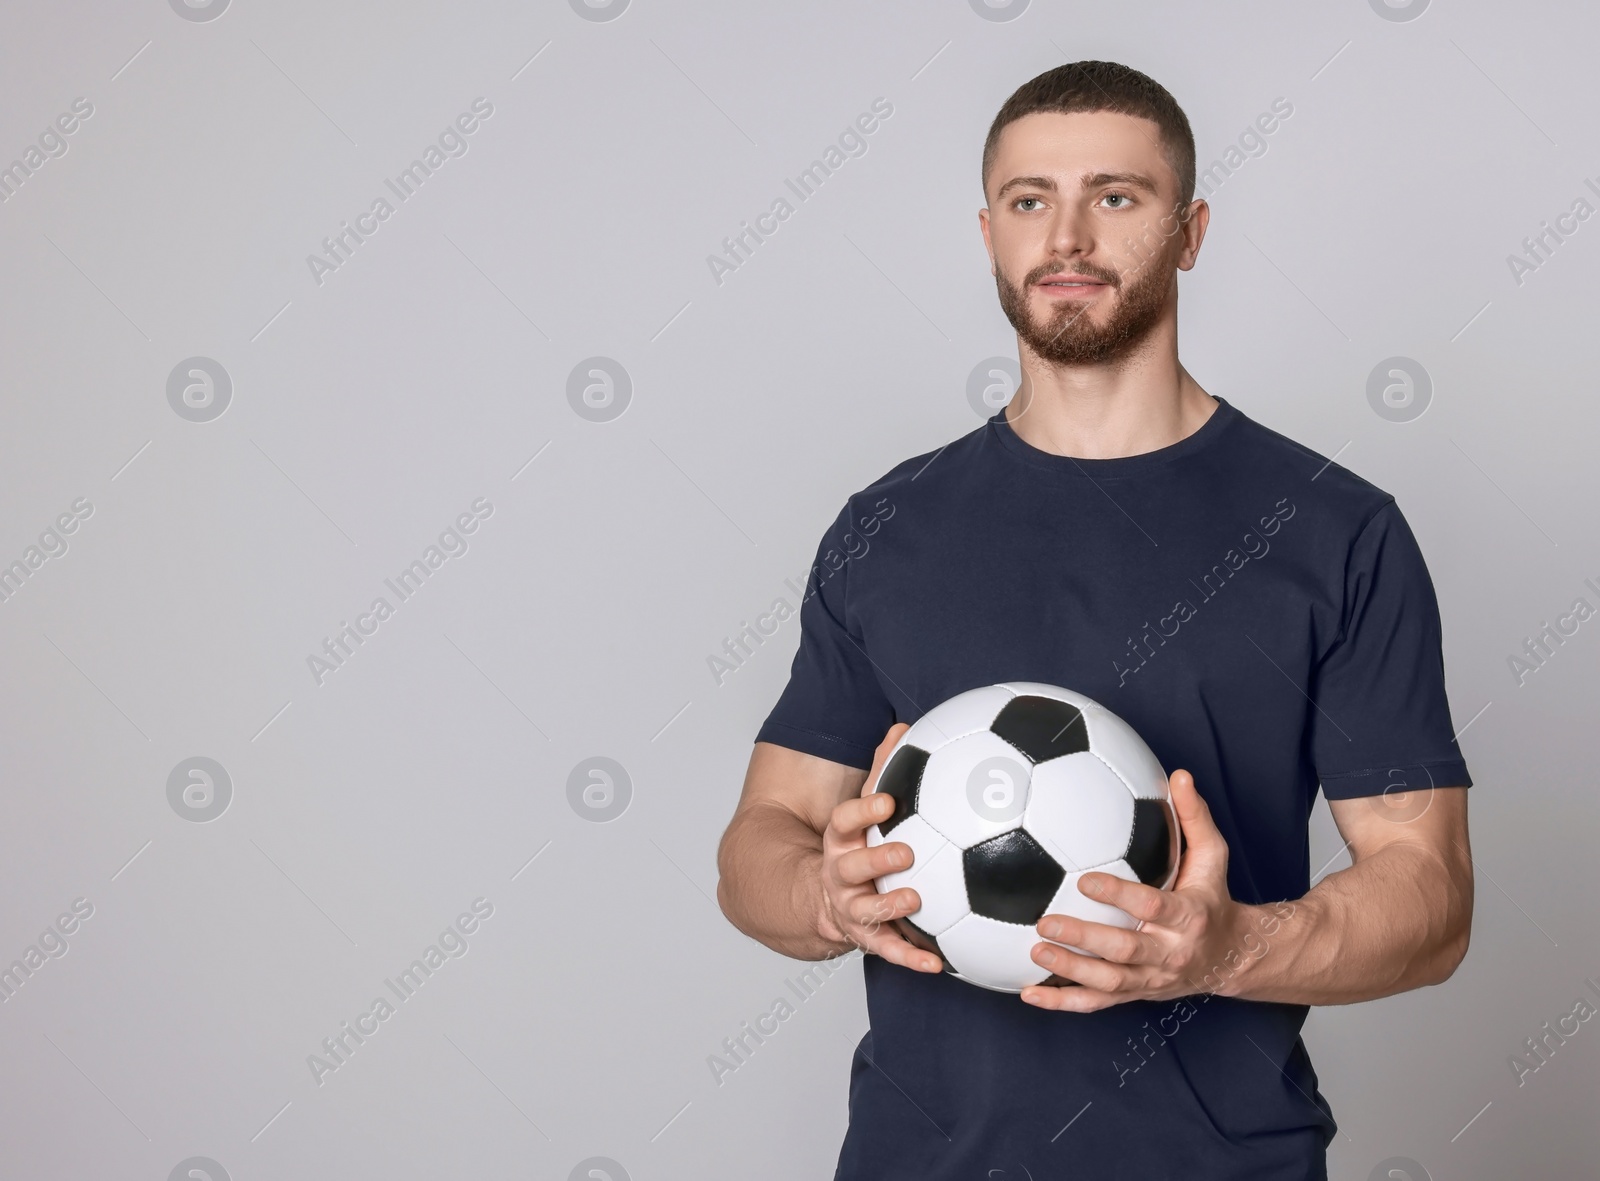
(1398, 918)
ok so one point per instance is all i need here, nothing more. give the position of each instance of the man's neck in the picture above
(1102, 413)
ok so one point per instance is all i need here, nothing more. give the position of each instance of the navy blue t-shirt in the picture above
(1264, 619)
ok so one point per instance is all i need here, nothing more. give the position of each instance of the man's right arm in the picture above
(796, 872)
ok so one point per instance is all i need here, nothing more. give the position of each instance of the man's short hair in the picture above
(1102, 86)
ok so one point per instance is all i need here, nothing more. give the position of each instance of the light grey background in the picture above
(432, 369)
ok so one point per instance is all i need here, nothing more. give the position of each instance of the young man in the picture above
(1261, 616)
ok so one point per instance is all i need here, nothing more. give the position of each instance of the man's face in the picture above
(1087, 196)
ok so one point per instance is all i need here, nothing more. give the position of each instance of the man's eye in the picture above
(1020, 200)
(1123, 197)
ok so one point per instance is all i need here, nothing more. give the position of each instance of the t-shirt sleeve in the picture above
(1381, 720)
(834, 706)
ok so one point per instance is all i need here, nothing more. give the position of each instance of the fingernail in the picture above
(1050, 930)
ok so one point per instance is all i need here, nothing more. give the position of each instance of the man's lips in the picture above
(1071, 286)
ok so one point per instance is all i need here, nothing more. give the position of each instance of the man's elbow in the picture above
(1451, 955)
(1457, 921)
(725, 868)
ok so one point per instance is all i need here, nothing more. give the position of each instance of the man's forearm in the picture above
(1395, 921)
(770, 887)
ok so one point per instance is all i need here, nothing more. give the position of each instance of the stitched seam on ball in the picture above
(1118, 776)
(985, 727)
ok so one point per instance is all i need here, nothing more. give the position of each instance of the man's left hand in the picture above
(1184, 932)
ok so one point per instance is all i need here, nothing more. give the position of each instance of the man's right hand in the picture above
(853, 910)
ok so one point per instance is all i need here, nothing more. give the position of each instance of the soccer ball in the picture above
(1007, 795)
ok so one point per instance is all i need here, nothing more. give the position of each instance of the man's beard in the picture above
(1070, 336)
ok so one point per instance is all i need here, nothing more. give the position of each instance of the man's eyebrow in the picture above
(1090, 180)
(1026, 182)
(1138, 180)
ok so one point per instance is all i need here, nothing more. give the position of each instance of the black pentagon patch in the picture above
(1011, 878)
(1152, 850)
(1042, 727)
(900, 779)
(919, 938)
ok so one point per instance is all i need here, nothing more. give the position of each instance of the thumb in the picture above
(1205, 858)
(881, 756)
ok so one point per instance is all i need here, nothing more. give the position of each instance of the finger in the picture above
(875, 932)
(848, 822)
(872, 911)
(1086, 970)
(860, 866)
(884, 942)
(1072, 1000)
(1205, 857)
(881, 756)
(1116, 944)
(1164, 908)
